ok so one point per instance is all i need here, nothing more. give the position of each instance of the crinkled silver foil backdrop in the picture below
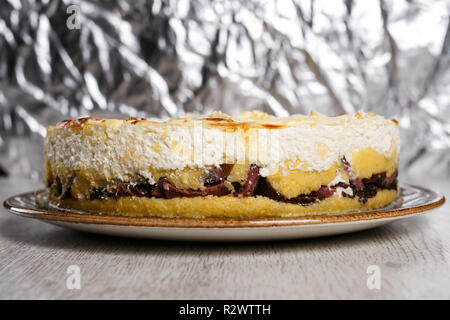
(65, 59)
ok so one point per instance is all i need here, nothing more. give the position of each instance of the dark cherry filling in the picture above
(367, 188)
(265, 189)
(377, 181)
(254, 185)
(370, 186)
(214, 176)
(249, 187)
(170, 191)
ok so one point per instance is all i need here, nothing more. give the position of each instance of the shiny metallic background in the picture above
(69, 58)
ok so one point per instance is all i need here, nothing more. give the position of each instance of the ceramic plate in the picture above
(411, 201)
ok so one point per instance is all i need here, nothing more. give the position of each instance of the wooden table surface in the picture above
(413, 257)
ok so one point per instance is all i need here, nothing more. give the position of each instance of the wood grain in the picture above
(413, 256)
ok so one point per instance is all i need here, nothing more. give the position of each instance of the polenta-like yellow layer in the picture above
(225, 206)
(289, 182)
(367, 162)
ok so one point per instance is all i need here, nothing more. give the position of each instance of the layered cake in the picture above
(240, 166)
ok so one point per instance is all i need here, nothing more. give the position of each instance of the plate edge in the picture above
(46, 215)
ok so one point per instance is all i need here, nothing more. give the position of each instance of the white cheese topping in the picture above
(116, 149)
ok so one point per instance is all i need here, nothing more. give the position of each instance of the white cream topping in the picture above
(119, 149)
(348, 191)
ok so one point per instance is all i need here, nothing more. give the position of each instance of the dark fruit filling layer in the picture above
(215, 184)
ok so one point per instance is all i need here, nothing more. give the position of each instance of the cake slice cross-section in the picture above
(244, 166)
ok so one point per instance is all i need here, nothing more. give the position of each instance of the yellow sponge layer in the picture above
(291, 183)
(225, 206)
(366, 162)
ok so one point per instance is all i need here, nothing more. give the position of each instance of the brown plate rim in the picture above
(86, 218)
